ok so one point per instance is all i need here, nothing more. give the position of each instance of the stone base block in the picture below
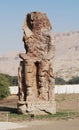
(38, 108)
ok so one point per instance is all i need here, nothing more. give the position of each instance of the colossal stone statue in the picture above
(35, 73)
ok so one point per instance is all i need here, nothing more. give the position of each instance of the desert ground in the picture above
(42, 125)
(64, 103)
(53, 125)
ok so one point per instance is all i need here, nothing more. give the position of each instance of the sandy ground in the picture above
(42, 125)
(53, 125)
(64, 102)
(10, 125)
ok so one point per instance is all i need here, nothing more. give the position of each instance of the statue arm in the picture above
(51, 47)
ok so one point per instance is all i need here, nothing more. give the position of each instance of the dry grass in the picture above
(67, 102)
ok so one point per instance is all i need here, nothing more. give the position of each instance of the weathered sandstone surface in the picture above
(35, 72)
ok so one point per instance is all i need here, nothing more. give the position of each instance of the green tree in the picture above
(59, 81)
(74, 80)
(14, 81)
(4, 89)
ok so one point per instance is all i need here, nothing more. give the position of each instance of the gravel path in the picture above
(41, 125)
(10, 125)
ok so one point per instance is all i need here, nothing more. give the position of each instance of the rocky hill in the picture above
(66, 61)
(9, 63)
(67, 55)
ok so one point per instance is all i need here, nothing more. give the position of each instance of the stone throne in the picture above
(35, 72)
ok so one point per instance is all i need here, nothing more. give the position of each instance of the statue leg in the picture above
(43, 80)
(30, 80)
(51, 84)
(46, 80)
(20, 82)
(27, 86)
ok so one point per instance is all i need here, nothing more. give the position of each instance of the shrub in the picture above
(4, 89)
(5, 81)
(74, 80)
(13, 80)
(59, 81)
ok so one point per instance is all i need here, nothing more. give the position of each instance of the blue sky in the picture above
(63, 14)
